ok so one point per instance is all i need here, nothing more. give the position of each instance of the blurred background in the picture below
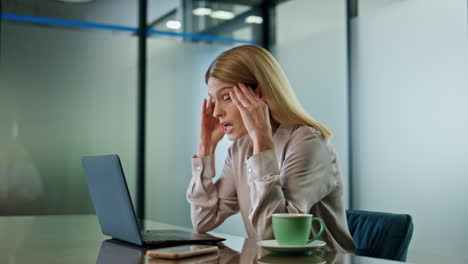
(78, 77)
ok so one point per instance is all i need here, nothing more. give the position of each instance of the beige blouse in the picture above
(301, 175)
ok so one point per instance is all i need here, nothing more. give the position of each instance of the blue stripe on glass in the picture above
(198, 36)
(81, 24)
(64, 22)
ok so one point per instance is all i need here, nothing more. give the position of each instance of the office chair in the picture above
(380, 235)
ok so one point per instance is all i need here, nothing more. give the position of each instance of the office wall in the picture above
(312, 49)
(64, 93)
(409, 91)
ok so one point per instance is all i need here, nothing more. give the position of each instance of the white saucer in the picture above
(273, 246)
(276, 258)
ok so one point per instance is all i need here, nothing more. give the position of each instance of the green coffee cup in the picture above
(294, 229)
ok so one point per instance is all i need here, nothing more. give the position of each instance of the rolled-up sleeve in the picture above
(211, 203)
(308, 174)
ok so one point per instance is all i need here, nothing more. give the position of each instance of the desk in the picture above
(70, 239)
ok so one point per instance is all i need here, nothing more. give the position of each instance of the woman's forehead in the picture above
(216, 86)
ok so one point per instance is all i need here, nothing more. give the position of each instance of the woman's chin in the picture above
(232, 137)
(235, 136)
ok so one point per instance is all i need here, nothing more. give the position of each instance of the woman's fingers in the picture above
(236, 101)
(203, 106)
(241, 98)
(207, 107)
(248, 93)
(210, 107)
(242, 95)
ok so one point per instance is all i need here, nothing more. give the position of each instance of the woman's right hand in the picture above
(211, 131)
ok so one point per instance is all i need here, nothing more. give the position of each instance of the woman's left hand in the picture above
(256, 117)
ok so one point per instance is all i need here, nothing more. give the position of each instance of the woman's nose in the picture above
(217, 112)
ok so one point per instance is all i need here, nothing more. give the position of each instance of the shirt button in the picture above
(250, 170)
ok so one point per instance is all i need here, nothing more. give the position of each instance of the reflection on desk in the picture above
(114, 252)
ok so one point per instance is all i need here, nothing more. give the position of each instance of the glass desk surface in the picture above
(69, 239)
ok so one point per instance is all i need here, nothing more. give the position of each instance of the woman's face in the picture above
(225, 110)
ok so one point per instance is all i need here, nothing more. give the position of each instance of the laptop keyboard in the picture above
(162, 236)
(159, 237)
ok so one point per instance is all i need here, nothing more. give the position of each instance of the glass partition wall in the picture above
(67, 89)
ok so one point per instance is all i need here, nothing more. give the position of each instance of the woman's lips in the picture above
(227, 127)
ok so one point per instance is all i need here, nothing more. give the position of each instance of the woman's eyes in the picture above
(225, 98)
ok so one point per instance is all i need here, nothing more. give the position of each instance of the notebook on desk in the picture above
(114, 208)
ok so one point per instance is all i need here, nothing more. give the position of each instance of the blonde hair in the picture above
(256, 67)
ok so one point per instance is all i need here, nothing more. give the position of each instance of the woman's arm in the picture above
(211, 203)
(307, 175)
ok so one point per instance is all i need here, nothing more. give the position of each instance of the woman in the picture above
(280, 160)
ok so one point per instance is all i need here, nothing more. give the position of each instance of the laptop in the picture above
(114, 208)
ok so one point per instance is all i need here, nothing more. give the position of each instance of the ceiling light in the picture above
(224, 15)
(173, 24)
(201, 11)
(254, 20)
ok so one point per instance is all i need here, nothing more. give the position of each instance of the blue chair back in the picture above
(380, 235)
